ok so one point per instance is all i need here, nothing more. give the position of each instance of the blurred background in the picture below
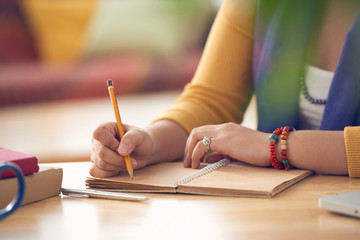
(55, 58)
(57, 50)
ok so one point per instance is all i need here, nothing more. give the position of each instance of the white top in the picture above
(318, 83)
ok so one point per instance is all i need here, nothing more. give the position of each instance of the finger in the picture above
(97, 172)
(195, 136)
(134, 137)
(138, 164)
(215, 157)
(198, 153)
(106, 134)
(189, 148)
(101, 164)
(105, 158)
(212, 157)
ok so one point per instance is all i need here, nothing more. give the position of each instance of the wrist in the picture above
(279, 135)
(265, 153)
(153, 156)
(260, 149)
(168, 140)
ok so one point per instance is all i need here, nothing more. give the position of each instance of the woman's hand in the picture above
(107, 154)
(227, 140)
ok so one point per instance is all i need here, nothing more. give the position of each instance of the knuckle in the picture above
(98, 133)
(194, 132)
(228, 126)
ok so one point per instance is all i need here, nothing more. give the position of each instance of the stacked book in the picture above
(41, 182)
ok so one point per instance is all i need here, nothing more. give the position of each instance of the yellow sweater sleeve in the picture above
(221, 87)
(352, 145)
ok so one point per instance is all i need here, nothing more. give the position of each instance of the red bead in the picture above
(277, 165)
(283, 132)
(278, 131)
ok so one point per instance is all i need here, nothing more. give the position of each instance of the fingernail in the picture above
(123, 149)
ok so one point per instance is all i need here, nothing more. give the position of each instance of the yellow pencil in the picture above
(119, 124)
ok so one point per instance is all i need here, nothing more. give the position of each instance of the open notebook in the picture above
(223, 178)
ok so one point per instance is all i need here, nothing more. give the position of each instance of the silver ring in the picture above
(206, 141)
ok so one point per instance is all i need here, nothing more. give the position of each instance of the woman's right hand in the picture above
(107, 154)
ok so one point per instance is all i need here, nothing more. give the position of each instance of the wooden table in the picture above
(293, 214)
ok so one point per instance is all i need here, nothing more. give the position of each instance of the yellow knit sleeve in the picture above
(221, 88)
(352, 146)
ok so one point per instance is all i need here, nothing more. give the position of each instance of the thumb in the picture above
(128, 142)
(123, 149)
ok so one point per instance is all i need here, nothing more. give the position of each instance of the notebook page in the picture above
(153, 177)
(239, 179)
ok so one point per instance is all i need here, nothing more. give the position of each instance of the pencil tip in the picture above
(110, 83)
(131, 173)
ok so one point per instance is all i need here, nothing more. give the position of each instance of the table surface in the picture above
(292, 214)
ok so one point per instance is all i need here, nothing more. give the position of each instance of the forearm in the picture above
(322, 151)
(169, 141)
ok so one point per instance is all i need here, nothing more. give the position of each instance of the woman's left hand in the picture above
(229, 140)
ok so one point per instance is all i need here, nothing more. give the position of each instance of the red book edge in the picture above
(27, 163)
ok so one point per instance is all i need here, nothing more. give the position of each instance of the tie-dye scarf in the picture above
(282, 36)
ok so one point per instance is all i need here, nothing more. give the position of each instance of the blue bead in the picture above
(273, 138)
(286, 163)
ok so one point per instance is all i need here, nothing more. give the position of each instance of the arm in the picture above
(221, 88)
(321, 151)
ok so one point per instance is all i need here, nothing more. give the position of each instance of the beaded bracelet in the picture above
(284, 164)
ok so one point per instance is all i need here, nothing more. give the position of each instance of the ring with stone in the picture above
(206, 141)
